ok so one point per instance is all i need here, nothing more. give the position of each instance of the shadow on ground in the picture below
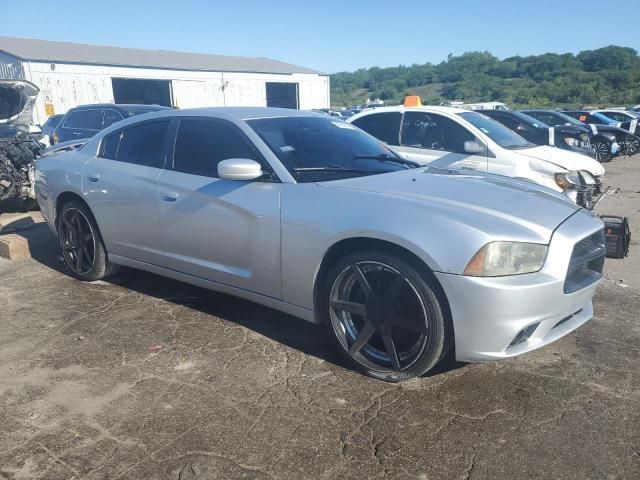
(306, 337)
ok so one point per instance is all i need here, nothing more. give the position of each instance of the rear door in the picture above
(220, 230)
(429, 138)
(120, 187)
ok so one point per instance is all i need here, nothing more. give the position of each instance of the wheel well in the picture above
(351, 245)
(66, 197)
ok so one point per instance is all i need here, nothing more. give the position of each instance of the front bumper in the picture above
(588, 192)
(489, 313)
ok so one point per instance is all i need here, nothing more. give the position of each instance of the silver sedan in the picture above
(313, 217)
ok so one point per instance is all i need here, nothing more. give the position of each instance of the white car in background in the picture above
(456, 138)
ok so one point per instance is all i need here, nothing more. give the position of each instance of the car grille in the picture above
(587, 261)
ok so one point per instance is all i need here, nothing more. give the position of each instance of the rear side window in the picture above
(140, 144)
(202, 144)
(383, 126)
(110, 117)
(110, 146)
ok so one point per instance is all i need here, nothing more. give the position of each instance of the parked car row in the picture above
(457, 138)
(310, 215)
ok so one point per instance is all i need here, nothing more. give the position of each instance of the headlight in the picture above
(572, 142)
(587, 177)
(497, 259)
(567, 180)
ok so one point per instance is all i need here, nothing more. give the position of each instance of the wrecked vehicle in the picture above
(19, 148)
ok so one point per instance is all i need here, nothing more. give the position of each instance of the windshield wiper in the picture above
(332, 169)
(385, 157)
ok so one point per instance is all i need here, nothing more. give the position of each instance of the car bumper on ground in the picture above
(502, 317)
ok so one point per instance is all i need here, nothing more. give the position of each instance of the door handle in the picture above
(76, 133)
(169, 196)
(93, 177)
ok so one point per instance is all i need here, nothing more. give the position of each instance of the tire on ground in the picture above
(101, 267)
(439, 338)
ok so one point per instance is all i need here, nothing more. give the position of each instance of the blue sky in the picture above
(333, 35)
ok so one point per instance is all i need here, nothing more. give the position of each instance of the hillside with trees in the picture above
(606, 76)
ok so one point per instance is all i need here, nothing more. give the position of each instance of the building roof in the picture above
(31, 49)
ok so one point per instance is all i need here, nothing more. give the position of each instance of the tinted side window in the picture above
(506, 120)
(618, 117)
(74, 120)
(142, 144)
(92, 120)
(84, 119)
(110, 117)
(383, 126)
(202, 144)
(548, 119)
(434, 132)
(109, 147)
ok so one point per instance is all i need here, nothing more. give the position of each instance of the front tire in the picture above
(384, 315)
(81, 243)
(602, 149)
(631, 145)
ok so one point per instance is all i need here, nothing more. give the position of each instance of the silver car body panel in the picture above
(266, 241)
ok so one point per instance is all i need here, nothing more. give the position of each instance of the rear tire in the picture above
(384, 316)
(81, 244)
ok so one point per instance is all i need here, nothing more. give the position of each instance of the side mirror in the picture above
(239, 169)
(473, 147)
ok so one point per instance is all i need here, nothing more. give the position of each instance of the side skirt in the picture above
(294, 310)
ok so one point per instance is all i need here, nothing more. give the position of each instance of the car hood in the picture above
(17, 99)
(475, 196)
(564, 158)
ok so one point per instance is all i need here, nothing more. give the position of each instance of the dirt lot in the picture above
(147, 378)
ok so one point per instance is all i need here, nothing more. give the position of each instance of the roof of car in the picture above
(121, 106)
(423, 108)
(228, 113)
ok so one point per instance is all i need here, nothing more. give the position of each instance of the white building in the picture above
(71, 74)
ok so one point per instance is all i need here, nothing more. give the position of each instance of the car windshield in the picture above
(496, 131)
(322, 148)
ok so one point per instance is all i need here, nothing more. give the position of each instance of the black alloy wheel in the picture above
(631, 145)
(602, 150)
(81, 243)
(77, 241)
(385, 317)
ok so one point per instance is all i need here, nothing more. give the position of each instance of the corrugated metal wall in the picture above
(64, 86)
(10, 67)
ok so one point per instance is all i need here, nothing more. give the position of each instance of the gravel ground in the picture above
(146, 378)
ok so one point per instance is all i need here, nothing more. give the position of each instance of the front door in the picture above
(433, 139)
(120, 187)
(220, 230)
(80, 124)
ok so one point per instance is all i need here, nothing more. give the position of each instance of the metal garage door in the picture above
(149, 92)
(282, 95)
